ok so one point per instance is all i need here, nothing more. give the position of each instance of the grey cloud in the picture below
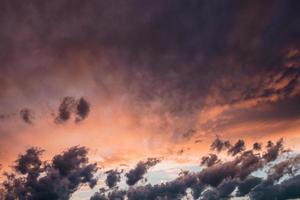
(59, 179)
(238, 147)
(220, 145)
(82, 109)
(112, 178)
(65, 109)
(288, 189)
(70, 106)
(136, 174)
(273, 150)
(257, 146)
(221, 178)
(210, 160)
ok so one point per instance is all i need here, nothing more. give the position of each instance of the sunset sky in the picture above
(160, 79)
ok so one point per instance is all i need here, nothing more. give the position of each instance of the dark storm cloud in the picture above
(287, 167)
(226, 188)
(238, 147)
(65, 109)
(136, 174)
(240, 167)
(150, 44)
(216, 182)
(112, 178)
(112, 195)
(27, 115)
(244, 187)
(70, 106)
(170, 190)
(59, 179)
(210, 160)
(256, 146)
(82, 109)
(30, 161)
(273, 150)
(288, 189)
(223, 191)
(220, 145)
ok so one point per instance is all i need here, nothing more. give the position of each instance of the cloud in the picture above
(59, 179)
(161, 69)
(65, 109)
(256, 146)
(29, 162)
(238, 147)
(288, 189)
(213, 182)
(32, 178)
(171, 67)
(136, 174)
(219, 145)
(289, 166)
(27, 115)
(273, 150)
(82, 109)
(70, 106)
(210, 160)
(147, 56)
(5, 116)
(112, 178)
(244, 187)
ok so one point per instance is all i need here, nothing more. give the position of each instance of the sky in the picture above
(136, 79)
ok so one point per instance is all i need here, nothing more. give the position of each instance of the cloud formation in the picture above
(136, 174)
(210, 160)
(112, 178)
(238, 147)
(70, 106)
(153, 71)
(219, 181)
(220, 145)
(58, 179)
(82, 109)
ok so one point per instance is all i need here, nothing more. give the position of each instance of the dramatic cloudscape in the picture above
(149, 99)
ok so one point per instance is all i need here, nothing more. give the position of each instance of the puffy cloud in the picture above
(30, 161)
(59, 179)
(112, 178)
(273, 150)
(289, 166)
(70, 106)
(288, 189)
(65, 109)
(82, 109)
(244, 187)
(210, 160)
(219, 145)
(136, 174)
(257, 146)
(238, 147)
(214, 182)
